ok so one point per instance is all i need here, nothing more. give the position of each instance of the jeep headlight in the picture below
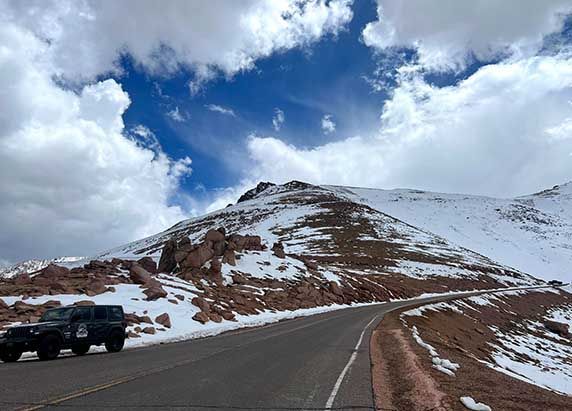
(34, 330)
(3, 333)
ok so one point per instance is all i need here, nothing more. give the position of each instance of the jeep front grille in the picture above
(19, 332)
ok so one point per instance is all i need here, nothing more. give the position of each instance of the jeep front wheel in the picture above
(80, 349)
(115, 341)
(10, 355)
(49, 348)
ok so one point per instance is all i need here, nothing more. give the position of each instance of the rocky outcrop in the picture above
(167, 262)
(253, 193)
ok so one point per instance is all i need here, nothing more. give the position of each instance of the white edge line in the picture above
(340, 379)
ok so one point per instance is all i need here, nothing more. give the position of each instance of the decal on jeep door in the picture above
(81, 331)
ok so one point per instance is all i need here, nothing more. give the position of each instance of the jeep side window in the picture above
(115, 313)
(100, 313)
(82, 314)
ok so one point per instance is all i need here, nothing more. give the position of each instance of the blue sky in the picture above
(306, 84)
(468, 98)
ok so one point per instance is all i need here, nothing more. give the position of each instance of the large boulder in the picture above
(167, 262)
(214, 236)
(215, 270)
(139, 275)
(54, 271)
(95, 287)
(154, 292)
(199, 256)
(164, 320)
(182, 252)
(201, 303)
(148, 264)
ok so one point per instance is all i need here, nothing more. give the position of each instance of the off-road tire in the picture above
(49, 347)
(10, 355)
(115, 341)
(80, 349)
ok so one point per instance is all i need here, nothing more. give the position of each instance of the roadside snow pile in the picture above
(472, 405)
(443, 365)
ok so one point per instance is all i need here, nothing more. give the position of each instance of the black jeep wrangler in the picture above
(75, 327)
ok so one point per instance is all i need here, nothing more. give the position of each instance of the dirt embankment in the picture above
(403, 372)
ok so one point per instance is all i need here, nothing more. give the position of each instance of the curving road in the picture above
(318, 362)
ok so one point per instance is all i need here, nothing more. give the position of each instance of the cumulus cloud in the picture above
(328, 125)
(220, 109)
(448, 33)
(87, 37)
(503, 131)
(278, 119)
(73, 181)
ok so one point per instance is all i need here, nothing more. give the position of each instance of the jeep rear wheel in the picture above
(80, 349)
(10, 355)
(49, 348)
(115, 341)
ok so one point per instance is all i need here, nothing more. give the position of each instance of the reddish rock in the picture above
(199, 256)
(179, 297)
(558, 328)
(201, 303)
(149, 330)
(214, 236)
(229, 257)
(145, 319)
(139, 275)
(22, 279)
(215, 270)
(154, 292)
(96, 287)
(335, 288)
(227, 315)
(167, 262)
(310, 264)
(215, 317)
(185, 241)
(131, 334)
(148, 264)
(54, 271)
(182, 252)
(84, 303)
(278, 249)
(218, 248)
(164, 320)
(201, 317)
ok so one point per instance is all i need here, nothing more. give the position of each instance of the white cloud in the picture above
(503, 131)
(278, 119)
(328, 124)
(176, 115)
(72, 180)
(220, 109)
(446, 32)
(87, 37)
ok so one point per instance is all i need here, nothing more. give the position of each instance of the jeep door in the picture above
(81, 326)
(100, 323)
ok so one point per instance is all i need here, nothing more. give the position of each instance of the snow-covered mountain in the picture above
(531, 233)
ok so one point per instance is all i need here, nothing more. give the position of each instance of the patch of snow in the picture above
(472, 405)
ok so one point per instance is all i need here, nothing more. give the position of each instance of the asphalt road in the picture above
(292, 365)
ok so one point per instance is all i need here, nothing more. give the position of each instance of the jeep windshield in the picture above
(57, 314)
